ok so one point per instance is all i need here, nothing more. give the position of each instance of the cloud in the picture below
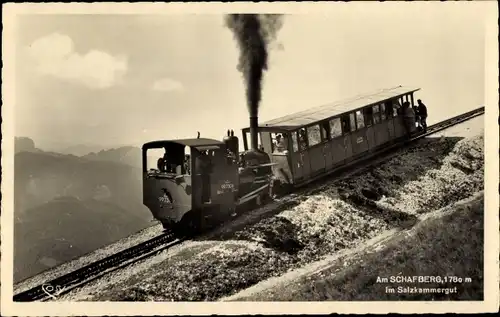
(167, 84)
(54, 55)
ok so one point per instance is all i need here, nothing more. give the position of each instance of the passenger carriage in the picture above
(321, 139)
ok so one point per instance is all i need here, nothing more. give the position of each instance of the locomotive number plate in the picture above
(225, 187)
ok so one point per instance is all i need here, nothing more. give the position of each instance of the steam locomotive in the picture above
(188, 192)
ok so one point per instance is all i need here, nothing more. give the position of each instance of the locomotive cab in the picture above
(183, 189)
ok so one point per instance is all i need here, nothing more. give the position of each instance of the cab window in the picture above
(314, 135)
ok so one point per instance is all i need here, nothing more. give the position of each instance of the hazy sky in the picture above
(116, 79)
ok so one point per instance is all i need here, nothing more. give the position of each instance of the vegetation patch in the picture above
(447, 246)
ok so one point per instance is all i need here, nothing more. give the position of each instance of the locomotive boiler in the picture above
(200, 182)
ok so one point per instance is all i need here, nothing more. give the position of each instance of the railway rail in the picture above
(88, 273)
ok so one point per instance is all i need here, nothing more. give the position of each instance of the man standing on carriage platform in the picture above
(422, 113)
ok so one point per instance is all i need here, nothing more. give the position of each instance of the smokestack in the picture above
(254, 141)
(253, 32)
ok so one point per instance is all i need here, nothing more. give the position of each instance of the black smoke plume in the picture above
(254, 33)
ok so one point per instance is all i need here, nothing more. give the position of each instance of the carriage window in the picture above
(389, 108)
(376, 114)
(368, 113)
(383, 112)
(279, 142)
(352, 122)
(302, 139)
(335, 128)
(313, 134)
(295, 144)
(346, 126)
(396, 106)
(360, 120)
(325, 131)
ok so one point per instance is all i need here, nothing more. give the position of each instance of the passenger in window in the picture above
(345, 124)
(397, 109)
(187, 164)
(284, 143)
(294, 142)
(302, 139)
(360, 120)
(376, 114)
(422, 112)
(279, 144)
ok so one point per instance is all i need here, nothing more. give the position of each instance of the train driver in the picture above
(163, 162)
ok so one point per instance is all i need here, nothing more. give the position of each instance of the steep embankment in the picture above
(66, 206)
(429, 175)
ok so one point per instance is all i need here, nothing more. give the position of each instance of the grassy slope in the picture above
(451, 245)
(336, 218)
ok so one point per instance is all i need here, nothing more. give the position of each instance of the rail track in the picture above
(88, 273)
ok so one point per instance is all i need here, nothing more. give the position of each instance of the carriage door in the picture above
(387, 111)
(337, 143)
(316, 150)
(300, 161)
(327, 146)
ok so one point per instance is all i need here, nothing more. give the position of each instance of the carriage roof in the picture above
(316, 114)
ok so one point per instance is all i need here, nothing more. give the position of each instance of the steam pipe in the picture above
(253, 132)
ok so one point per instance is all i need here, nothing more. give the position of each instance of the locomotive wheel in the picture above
(262, 198)
(187, 227)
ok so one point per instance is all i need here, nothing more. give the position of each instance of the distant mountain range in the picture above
(66, 205)
(127, 155)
